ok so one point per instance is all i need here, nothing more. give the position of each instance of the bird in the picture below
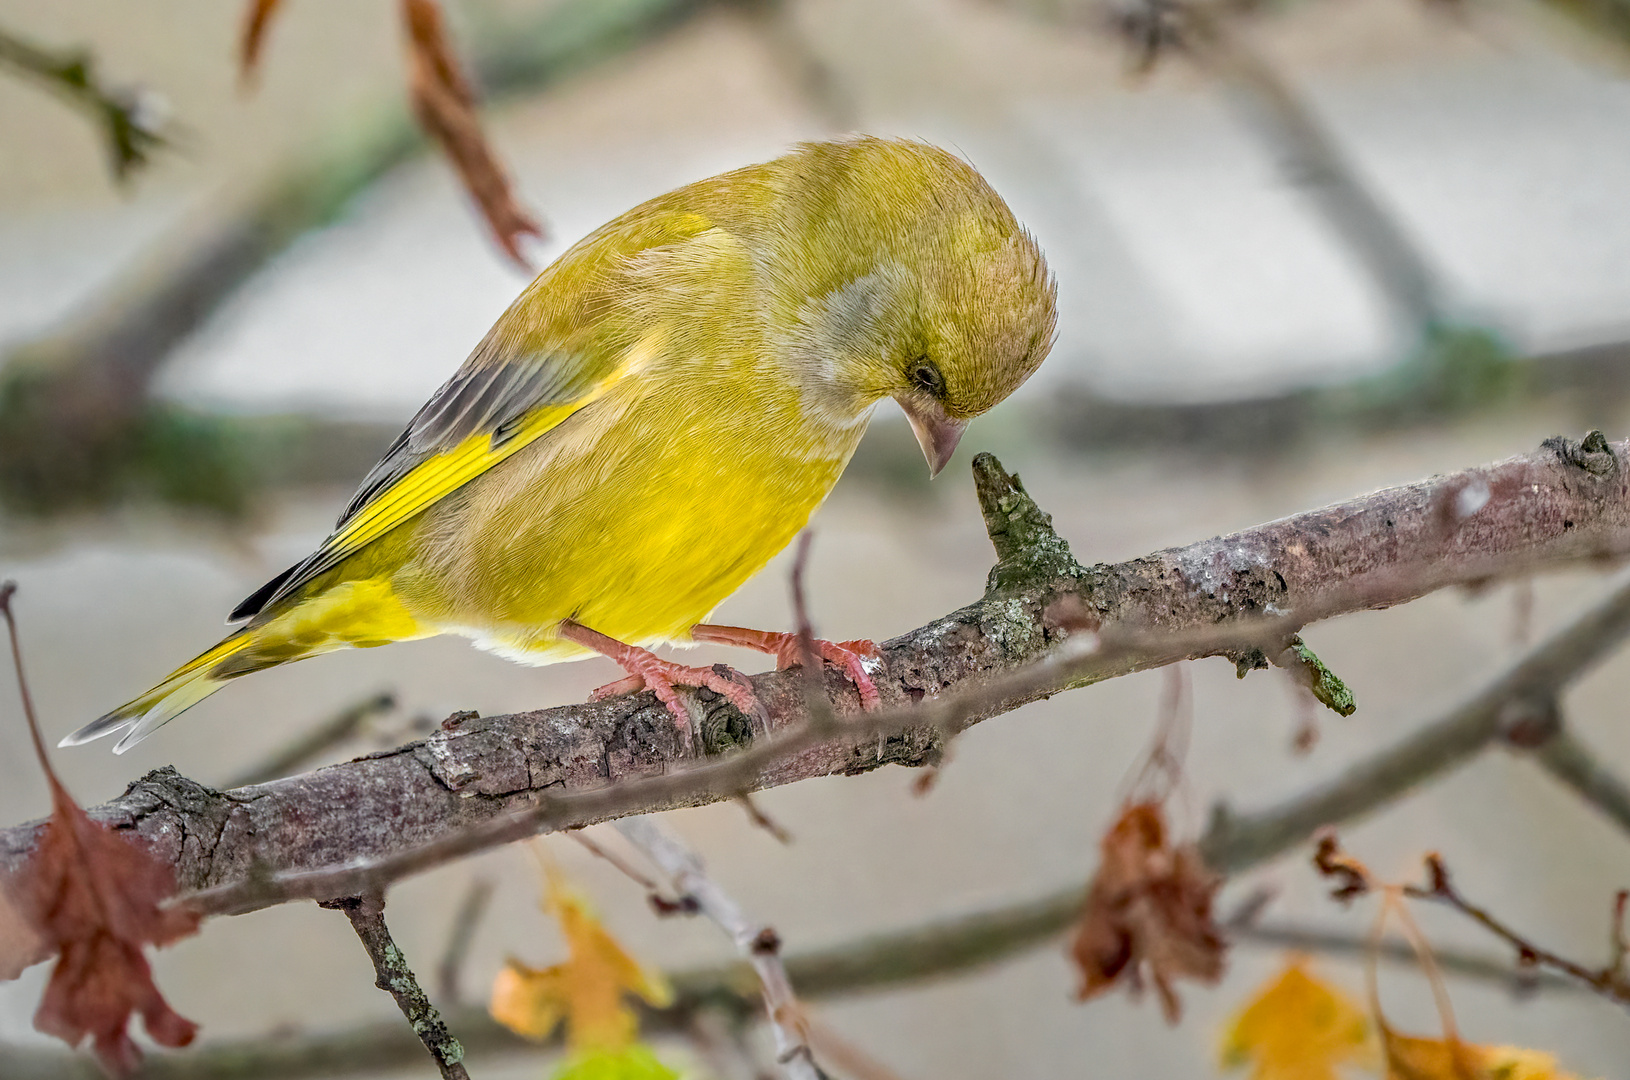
(657, 416)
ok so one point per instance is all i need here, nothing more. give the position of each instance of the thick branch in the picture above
(557, 768)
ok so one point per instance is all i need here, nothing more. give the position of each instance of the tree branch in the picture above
(486, 781)
(882, 961)
(1530, 685)
(1576, 765)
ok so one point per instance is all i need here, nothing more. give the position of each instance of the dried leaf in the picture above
(255, 22)
(446, 107)
(1412, 1058)
(1298, 1027)
(1148, 910)
(21, 946)
(587, 991)
(95, 898)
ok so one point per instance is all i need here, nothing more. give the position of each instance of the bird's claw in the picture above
(847, 656)
(662, 677)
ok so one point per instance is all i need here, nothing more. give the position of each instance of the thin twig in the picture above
(471, 909)
(131, 119)
(809, 660)
(759, 943)
(1608, 980)
(313, 744)
(1237, 841)
(392, 974)
(756, 814)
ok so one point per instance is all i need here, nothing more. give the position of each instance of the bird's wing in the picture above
(482, 415)
(505, 397)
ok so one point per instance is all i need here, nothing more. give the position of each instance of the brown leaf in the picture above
(445, 104)
(21, 946)
(95, 899)
(1148, 912)
(256, 19)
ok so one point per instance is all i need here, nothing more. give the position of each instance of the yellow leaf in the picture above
(587, 990)
(631, 1063)
(1297, 1027)
(1412, 1058)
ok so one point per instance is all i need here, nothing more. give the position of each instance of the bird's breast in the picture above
(636, 517)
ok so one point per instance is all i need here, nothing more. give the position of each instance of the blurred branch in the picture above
(73, 401)
(803, 65)
(888, 960)
(759, 943)
(1529, 686)
(131, 120)
(1578, 766)
(1473, 375)
(482, 782)
(1611, 980)
(1350, 878)
(308, 747)
(1311, 156)
(477, 895)
(392, 975)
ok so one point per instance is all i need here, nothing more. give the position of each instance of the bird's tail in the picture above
(185, 687)
(358, 614)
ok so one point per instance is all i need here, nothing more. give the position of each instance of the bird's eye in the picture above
(926, 377)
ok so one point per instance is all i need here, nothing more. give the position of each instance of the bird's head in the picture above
(954, 310)
(984, 320)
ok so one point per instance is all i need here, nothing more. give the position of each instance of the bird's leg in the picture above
(648, 671)
(848, 656)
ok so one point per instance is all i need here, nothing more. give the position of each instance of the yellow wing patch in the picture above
(441, 475)
(446, 472)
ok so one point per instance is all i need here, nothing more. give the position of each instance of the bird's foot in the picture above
(848, 656)
(647, 671)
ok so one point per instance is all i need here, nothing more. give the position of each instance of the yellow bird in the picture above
(656, 417)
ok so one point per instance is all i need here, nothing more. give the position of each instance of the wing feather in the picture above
(509, 393)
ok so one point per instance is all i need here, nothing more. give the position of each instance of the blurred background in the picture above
(1303, 250)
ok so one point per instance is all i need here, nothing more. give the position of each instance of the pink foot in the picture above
(849, 656)
(647, 671)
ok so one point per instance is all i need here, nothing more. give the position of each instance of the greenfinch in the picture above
(656, 417)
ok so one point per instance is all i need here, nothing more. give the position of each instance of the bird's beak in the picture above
(936, 433)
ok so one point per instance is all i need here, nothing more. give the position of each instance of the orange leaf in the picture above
(1148, 910)
(1297, 1027)
(95, 899)
(445, 104)
(256, 20)
(587, 991)
(1412, 1058)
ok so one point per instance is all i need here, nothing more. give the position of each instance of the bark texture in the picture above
(1566, 503)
